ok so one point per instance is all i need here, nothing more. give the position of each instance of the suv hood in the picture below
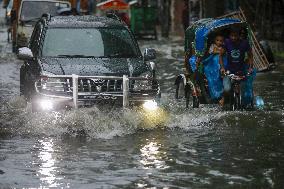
(94, 66)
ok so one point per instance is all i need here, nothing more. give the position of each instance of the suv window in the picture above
(94, 42)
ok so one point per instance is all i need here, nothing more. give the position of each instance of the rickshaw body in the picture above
(198, 38)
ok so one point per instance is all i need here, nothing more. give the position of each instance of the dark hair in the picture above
(218, 34)
(235, 30)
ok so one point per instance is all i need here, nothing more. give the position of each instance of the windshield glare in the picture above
(34, 9)
(93, 42)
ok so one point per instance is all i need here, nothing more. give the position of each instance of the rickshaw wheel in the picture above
(180, 90)
(187, 95)
(235, 101)
(252, 103)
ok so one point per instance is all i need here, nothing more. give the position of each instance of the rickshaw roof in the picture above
(199, 31)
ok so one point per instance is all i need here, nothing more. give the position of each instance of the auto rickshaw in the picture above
(194, 82)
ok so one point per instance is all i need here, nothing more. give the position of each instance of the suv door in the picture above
(30, 69)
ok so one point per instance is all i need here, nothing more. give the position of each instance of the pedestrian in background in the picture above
(5, 3)
(185, 15)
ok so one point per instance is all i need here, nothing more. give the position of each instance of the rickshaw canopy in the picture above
(113, 5)
(197, 34)
(206, 73)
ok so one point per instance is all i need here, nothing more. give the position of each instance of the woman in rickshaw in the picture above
(205, 67)
(215, 67)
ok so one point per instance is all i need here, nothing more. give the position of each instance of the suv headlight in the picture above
(143, 84)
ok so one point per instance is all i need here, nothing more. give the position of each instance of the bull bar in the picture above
(72, 91)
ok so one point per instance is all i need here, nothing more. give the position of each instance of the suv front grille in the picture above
(98, 85)
(62, 85)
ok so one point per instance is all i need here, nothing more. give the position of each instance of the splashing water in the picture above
(17, 118)
(259, 103)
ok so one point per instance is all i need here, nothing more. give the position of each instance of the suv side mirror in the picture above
(149, 54)
(25, 53)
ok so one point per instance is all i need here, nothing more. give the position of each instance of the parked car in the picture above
(27, 13)
(8, 9)
(75, 61)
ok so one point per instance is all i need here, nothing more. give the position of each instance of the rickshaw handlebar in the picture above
(236, 77)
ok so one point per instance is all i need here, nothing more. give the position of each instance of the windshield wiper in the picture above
(74, 56)
(106, 56)
(118, 55)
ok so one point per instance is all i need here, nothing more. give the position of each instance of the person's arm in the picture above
(216, 50)
(213, 49)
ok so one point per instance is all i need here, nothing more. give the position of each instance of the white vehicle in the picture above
(30, 12)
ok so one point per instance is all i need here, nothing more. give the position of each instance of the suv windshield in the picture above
(89, 42)
(34, 9)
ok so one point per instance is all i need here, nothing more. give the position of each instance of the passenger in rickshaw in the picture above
(226, 56)
(211, 65)
(214, 68)
(209, 55)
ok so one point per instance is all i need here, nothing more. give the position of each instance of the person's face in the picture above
(234, 36)
(219, 40)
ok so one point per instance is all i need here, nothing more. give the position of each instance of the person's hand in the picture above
(250, 70)
(222, 51)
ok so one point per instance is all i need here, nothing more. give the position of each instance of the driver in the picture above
(237, 49)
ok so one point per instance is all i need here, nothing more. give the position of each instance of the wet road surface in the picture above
(173, 148)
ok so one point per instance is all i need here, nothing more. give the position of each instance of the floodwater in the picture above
(115, 148)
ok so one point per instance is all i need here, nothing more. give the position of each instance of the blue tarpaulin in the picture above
(247, 89)
(213, 76)
(192, 63)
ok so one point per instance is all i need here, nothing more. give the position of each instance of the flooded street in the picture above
(131, 148)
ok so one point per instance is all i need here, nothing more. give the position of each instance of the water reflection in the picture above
(47, 168)
(153, 156)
